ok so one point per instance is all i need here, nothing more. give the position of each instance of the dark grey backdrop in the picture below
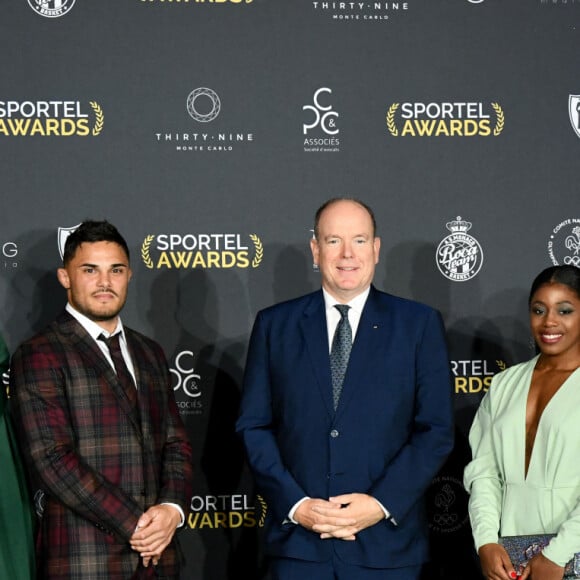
(128, 68)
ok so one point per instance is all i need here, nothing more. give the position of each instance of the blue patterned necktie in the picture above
(340, 352)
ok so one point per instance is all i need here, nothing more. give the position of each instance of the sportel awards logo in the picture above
(322, 120)
(564, 243)
(360, 11)
(459, 255)
(203, 106)
(50, 119)
(218, 512)
(201, 251)
(51, 8)
(448, 119)
(474, 376)
(186, 383)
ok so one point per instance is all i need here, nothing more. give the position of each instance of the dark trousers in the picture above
(336, 569)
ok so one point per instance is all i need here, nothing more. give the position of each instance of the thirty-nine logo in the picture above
(205, 94)
(203, 106)
(51, 8)
(459, 255)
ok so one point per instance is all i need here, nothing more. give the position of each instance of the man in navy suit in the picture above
(345, 480)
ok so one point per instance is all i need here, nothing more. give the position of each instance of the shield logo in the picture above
(574, 112)
(63, 234)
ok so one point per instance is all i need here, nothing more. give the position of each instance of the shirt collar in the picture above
(92, 327)
(357, 303)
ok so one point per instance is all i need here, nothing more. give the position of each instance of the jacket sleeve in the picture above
(431, 430)
(255, 424)
(482, 478)
(47, 437)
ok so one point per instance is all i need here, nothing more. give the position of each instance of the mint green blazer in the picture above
(503, 501)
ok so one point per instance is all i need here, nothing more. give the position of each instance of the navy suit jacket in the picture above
(389, 436)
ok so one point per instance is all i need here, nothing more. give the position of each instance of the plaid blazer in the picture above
(94, 466)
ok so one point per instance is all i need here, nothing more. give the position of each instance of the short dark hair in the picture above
(334, 200)
(568, 275)
(91, 231)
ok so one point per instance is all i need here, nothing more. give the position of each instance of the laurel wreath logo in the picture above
(145, 252)
(99, 117)
(501, 365)
(500, 119)
(259, 250)
(264, 510)
(391, 119)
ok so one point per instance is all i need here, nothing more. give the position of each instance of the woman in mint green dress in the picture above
(16, 519)
(525, 440)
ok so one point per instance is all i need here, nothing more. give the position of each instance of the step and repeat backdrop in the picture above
(209, 131)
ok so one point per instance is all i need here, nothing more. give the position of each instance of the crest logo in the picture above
(51, 8)
(459, 255)
(574, 112)
(207, 94)
(447, 505)
(63, 234)
(564, 243)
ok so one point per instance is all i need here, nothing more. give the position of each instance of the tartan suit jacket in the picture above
(95, 464)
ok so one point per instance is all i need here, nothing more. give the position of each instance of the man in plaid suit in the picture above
(112, 479)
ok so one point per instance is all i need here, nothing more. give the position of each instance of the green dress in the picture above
(16, 517)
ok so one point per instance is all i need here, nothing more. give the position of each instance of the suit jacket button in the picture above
(334, 433)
